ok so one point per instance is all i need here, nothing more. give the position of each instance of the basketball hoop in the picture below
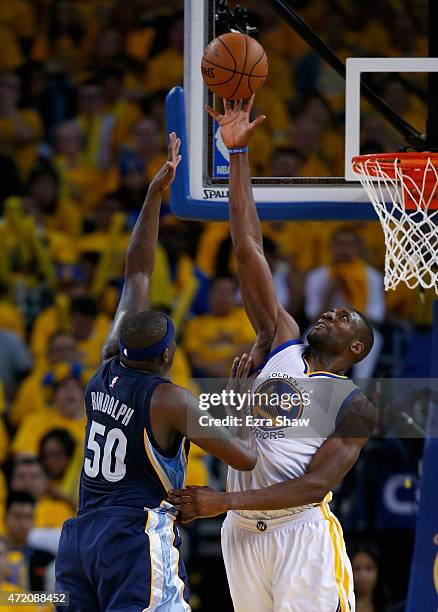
(403, 189)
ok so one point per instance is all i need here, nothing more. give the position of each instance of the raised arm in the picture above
(270, 320)
(140, 257)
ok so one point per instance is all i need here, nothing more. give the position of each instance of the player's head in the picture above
(345, 245)
(28, 476)
(147, 342)
(83, 313)
(342, 332)
(19, 517)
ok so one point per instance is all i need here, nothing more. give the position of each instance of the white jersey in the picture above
(286, 448)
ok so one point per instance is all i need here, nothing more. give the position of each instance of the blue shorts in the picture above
(122, 559)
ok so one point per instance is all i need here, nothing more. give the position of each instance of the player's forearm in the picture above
(244, 221)
(140, 257)
(327, 469)
(289, 494)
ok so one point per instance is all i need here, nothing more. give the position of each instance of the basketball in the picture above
(234, 66)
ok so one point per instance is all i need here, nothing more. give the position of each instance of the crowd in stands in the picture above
(82, 132)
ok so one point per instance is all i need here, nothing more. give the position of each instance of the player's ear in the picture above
(165, 355)
(357, 347)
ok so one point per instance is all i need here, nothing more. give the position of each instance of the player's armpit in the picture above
(174, 408)
(359, 419)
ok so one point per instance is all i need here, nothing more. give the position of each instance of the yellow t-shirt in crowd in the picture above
(165, 70)
(35, 426)
(197, 473)
(24, 153)
(51, 513)
(218, 338)
(30, 398)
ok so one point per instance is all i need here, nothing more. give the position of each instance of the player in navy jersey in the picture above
(121, 552)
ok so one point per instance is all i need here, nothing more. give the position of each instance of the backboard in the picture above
(318, 182)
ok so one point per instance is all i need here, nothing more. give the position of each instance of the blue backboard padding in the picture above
(184, 207)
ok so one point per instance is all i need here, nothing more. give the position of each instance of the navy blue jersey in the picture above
(123, 464)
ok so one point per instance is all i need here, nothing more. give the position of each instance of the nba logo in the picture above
(113, 382)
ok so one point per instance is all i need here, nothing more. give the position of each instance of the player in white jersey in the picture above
(283, 548)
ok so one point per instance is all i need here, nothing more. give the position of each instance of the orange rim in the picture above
(410, 164)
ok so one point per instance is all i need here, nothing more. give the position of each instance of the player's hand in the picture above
(236, 128)
(240, 374)
(198, 502)
(165, 175)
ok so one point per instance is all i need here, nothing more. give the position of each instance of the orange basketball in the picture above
(234, 66)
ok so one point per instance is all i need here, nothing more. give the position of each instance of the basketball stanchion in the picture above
(403, 188)
(423, 584)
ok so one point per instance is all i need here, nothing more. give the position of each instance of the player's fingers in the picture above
(178, 159)
(171, 147)
(257, 121)
(214, 114)
(247, 367)
(227, 105)
(241, 365)
(182, 505)
(247, 104)
(237, 105)
(234, 367)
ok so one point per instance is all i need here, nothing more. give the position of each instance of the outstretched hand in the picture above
(236, 128)
(166, 174)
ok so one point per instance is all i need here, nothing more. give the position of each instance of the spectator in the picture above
(132, 189)
(79, 182)
(31, 396)
(52, 507)
(211, 340)
(20, 129)
(27, 565)
(10, 317)
(44, 202)
(348, 281)
(146, 143)
(15, 362)
(166, 69)
(122, 112)
(66, 412)
(371, 593)
(95, 126)
(88, 326)
(5, 585)
(10, 183)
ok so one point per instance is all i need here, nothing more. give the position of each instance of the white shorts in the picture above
(294, 564)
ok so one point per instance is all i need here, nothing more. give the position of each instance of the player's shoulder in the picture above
(357, 412)
(166, 393)
(293, 347)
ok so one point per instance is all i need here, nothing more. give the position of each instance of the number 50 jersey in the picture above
(123, 463)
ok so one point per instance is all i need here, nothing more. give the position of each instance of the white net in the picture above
(405, 198)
